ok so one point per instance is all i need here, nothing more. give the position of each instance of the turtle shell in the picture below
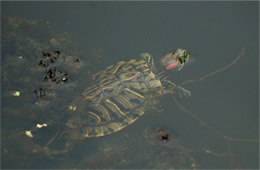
(116, 98)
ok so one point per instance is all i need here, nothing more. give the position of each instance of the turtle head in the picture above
(175, 60)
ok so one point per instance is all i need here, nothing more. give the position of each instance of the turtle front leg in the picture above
(170, 87)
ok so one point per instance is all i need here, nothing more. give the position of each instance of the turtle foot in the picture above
(183, 92)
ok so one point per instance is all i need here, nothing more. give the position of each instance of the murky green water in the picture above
(218, 129)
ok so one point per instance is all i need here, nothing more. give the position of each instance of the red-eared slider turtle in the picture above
(119, 94)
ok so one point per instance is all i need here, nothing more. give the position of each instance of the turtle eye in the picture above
(185, 57)
(182, 59)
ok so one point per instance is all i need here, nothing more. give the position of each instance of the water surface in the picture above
(102, 33)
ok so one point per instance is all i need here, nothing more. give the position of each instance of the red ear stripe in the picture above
(172, 65)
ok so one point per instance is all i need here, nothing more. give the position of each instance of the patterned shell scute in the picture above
(117, 96)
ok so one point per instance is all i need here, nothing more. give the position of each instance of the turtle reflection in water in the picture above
(118, 96)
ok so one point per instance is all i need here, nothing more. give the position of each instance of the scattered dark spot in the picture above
(52, 60)
(57, 52)
(56, 80)
(76, 60)
(54, 73)
(165, 137)
(44, 54)
(40, 63)
(45, 79)
(35, 92)
(39, 93)
(51, 73)
(42, 92)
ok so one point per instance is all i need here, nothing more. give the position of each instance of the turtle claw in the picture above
(173, 88)
(183, 92)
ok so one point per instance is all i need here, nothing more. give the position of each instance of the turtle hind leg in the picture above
(52, 140)
(172, 88)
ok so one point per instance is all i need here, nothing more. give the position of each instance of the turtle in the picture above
(117, 97)
(120, 94)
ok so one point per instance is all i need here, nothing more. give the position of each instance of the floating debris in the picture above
(16, 93)
(72, 108)
(41, 125)
(29, 133)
